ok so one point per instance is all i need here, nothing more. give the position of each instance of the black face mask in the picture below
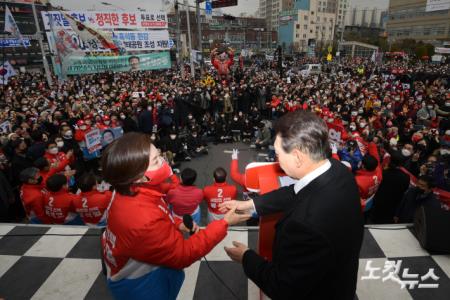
(39, 180)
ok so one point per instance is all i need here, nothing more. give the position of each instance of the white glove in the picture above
(334, 149)
(235, 154)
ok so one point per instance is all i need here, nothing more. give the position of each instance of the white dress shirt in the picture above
(301, 183)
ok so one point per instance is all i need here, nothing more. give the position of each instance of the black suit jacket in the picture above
(317, 240)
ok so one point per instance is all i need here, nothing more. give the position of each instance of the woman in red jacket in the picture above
(143, 245)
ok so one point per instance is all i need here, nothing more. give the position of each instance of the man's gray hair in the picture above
(305, 131)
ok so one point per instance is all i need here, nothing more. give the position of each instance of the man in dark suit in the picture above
(318, 238)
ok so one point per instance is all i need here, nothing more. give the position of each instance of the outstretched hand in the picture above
(237, 252)
(235, 154)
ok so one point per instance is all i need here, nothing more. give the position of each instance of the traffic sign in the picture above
(208, 7)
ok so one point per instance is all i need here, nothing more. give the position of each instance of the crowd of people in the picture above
(388, 123)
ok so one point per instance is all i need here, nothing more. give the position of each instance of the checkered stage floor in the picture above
(37, 265)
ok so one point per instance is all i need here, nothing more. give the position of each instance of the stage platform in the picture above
(37, 264)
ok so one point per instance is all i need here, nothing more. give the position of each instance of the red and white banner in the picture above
(107, 19)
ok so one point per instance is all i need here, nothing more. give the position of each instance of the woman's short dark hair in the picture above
(305, 131)
(86, 182)
(188, 176)
(220, 175)
(125, 161)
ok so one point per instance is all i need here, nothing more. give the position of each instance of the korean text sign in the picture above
(107, 20)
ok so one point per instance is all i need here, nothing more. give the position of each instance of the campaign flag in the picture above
(11, 26)
(6, 71)
(87, 33)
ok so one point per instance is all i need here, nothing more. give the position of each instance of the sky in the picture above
(247, 6)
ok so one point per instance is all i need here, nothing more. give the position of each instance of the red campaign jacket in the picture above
(80, 134)
(52, 158)
(53, 170)
(184, 199)
(235, 175)
(218, 193)
(368, 182)
(141, 234)
(33, 202)
(91, 206)
(58, 206)
(275, 102)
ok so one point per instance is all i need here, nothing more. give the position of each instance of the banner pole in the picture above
(41, 45)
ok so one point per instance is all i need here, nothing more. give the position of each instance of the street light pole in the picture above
(41, 45)
(190, 39)
(199, 30)
(179, 58)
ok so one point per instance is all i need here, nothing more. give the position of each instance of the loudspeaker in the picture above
(432, 225)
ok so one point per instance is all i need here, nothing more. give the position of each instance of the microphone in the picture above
(189, 223)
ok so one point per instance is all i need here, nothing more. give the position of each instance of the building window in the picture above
(296, 35)
(297, 26)
(305, 26)
(312, 13)
(304, 36)
(306, 18)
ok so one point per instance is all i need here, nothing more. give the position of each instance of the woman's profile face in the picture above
(155, 159)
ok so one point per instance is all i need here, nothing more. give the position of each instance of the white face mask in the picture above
(122, 117)
(172, 136)
(83, 127)
(68, 134)
(406, 152)
(235, 119)
(53, 150)
(444, 152)
(352, 127)
(60, 144)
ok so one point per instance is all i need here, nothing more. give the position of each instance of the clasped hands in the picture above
(241, 208)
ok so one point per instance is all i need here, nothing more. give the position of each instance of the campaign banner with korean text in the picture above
(107, 20)
(93, 140)
(96, 140)
(96, 64)
(128, 40)
(142, 40)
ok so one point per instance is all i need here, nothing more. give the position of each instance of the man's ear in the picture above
(298, 156)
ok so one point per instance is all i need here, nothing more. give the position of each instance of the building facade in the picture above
(20, 56)
(270, 11)
(408, 19)
(240, 33)
(309, 22)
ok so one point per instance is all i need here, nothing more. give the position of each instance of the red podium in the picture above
(262, 178)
